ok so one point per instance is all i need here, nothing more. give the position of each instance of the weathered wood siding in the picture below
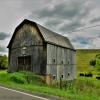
(60, 62)
(28, 36)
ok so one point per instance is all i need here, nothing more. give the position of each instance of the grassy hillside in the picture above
(83, 56)
(84, 88)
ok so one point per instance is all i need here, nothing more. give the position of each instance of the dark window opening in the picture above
(68, 74)
(62, 62)
(68, 62)
(62, 76)
(54, 60)
(54, 77)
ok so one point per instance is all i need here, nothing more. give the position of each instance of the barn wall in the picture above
(60, 61)
(29, 37)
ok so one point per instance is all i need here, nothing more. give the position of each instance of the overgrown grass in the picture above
(83, 57)
(82, 89)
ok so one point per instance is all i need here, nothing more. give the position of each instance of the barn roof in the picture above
(48, 35)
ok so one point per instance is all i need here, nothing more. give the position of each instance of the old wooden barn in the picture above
(37, 49)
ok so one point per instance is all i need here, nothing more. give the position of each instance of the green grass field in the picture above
(82, 89)
(83, 56)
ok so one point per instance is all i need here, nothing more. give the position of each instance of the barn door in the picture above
(24, 63)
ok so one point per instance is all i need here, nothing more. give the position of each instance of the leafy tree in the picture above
(93, 62)
(3, 61)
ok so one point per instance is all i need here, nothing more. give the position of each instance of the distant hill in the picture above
(83, 56)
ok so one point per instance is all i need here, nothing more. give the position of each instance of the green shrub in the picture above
(17, 78)
(26, 77)
(92, 62)
(30, 77)
(3, 62)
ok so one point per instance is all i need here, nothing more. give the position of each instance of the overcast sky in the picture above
(61, 16)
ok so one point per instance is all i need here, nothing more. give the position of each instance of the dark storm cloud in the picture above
(95, 20)
(59, 15)
(3, 35)
(63, 10)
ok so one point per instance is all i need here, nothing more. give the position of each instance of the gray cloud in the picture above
(66, 15)
(63, 10)
(12, 12)
(69, 15)
(60, 16)
(3, 35)
(3, 49)
(53, 22)
(95, 20)
(71, 26)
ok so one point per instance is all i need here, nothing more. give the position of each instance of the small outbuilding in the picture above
(39, 50)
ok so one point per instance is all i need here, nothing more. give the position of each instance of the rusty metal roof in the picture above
(48, 35)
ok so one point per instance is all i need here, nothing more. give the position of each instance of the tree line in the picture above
(3, 62)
